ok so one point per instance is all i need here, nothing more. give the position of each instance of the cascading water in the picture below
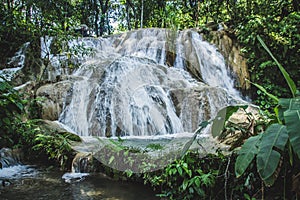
(15, 64)
(129, 88)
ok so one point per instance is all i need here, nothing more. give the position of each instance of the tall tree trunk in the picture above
(128, 19)
(104, 9)
(107, 25)
(8, 4)
(129, 5)
(162, 6)
(96, 9)
(142, 13)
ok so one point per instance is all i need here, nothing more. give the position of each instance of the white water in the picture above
(17, 171)
(16, 63)
(127, 89)
(212, 65)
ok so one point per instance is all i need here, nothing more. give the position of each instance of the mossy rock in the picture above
(51, 128)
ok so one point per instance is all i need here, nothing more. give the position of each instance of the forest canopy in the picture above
(277, 22)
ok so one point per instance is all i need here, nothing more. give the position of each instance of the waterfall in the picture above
(147, 82)
(15, 63)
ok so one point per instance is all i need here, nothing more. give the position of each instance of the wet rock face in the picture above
(199, 103)
(53, 98)
(233, 56)
(84, 163)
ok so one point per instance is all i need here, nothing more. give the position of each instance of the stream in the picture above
(31, 182)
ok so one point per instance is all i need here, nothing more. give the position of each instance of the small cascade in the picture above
(212, 65)
(15, 64)
(82, 165)
(180, 57)
(9, 157)
(147, 82)
(11, 167)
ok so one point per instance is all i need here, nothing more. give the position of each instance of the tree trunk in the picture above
(104, 9)
(96, 9)
(142, 13)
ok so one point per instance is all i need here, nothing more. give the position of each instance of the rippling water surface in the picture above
(28, 182)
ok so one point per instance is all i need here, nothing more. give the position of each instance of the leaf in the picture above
(268, 157)
(287, 77)
(179, 169)
(197, 181)
(289, 112)
(246, 155)
(292, 121)
(185, 184)
(111, 159)
(288, 104)
(222, 116)
(264, 91)
(186, 147)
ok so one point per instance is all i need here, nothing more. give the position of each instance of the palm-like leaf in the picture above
(273, 141)
(292, 121)
(247, 153)
(287, 77)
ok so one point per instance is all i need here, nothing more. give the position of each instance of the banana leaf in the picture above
(292, 121)
(246, 155)
(222, 116)
(273, 142)
(287, 77)
(285, 104)
(264, 91)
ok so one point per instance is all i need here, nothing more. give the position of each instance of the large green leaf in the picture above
(222, 116)
(186, 147)
(292, 121)
(264, 91)
(272, 142)
(246, 154)
(287, 104)
(287, 77)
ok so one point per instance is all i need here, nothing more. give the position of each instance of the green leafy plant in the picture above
(56, 146)
(11, 110)
(185, 178)
(268, 148)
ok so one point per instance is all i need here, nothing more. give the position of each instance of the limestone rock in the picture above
(84, 163)
(233, 56)
(199, 103)
(241, 125)
(53, 97)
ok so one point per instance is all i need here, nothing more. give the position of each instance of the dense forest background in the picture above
(277, 22)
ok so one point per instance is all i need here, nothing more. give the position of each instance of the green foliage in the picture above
(11, 107)
(291, 118)
(154, 146)
(246, 155)
(287, 77)
(270, 146)
(19, 132)
(56, 146)
(185, 178)
(279, 32)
